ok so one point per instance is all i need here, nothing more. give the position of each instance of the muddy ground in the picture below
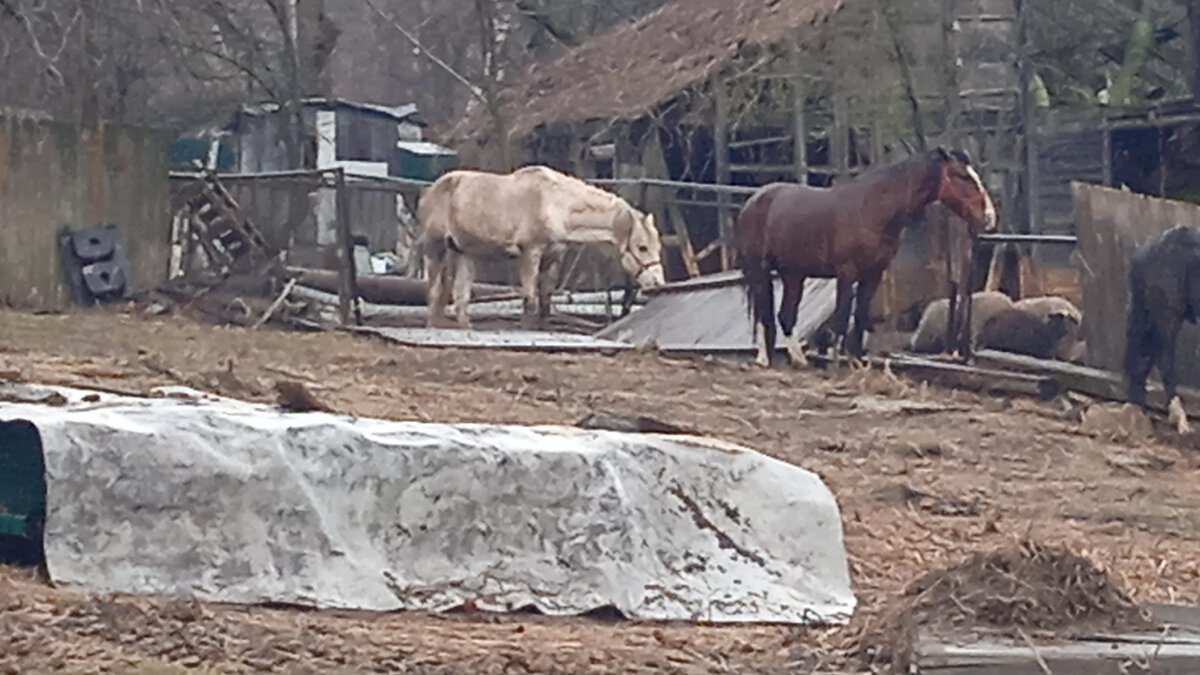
(924, 476)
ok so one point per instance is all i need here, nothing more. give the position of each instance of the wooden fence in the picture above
(1110, 225)
(696, 238)
(54, 174)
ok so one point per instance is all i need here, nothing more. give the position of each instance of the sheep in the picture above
(1020, 331)
(930, 337)
(1046, 306)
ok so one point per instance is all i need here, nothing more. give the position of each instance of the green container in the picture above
(422, 160)
(184, 151)
(22, 483)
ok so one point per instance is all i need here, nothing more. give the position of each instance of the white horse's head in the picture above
(641, 252)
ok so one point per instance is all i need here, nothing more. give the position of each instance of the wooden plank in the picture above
(996, 655)
(1091, 381)
(1039, 386)
(762, 168)
(721, 152)
(755, 142)
(799, 119)
(348, 300)
(392, 290)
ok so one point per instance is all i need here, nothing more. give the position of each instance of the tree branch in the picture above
(475, 91)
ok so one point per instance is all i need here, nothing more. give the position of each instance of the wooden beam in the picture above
(754, 142)
(349, 308)
(839, 135)
(1091, 381)
(1029, 117)
(721, 150)
(995, 654)
(957, 374)
(763, 168)
(799, 119)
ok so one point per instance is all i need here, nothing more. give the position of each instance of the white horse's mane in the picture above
(590, 197)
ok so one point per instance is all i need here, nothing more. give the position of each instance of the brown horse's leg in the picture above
(841, 314)
(1168, 339)
(464, 278)
(530, 270)
(1143, 343)
(789, 305)
(867, 285)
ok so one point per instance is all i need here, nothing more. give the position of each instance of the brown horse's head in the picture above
(641, 253)
(960, 188)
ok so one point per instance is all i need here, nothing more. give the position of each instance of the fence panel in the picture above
(1111, 224)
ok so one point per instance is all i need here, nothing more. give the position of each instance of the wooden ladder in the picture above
(228, 237)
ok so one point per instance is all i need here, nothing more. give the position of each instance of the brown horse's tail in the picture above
(749, 231)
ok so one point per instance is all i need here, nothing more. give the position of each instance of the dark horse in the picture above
(850, 231)
(1164, 291)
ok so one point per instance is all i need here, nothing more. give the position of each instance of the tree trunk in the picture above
(490, 43)
(1141, 40)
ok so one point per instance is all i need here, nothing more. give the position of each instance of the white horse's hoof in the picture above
(762, 361)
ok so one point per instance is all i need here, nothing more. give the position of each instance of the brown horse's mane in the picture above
(930, 160)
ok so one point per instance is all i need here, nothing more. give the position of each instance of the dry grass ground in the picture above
(924, 477)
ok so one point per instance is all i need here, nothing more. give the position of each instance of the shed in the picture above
(423, 160)
(336, 131)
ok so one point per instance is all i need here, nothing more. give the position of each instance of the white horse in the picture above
(531, 215)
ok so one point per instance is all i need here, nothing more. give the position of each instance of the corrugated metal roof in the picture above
(396, 112)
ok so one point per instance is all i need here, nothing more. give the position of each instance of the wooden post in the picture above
(721, 150)
(1193, 47)
(1028, 121)
(799, 122)
(964, 344)
(839, 137)
(348, 301)
(1107, 159)
(950, 74)
(952, 291)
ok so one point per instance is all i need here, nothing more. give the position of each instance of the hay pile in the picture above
(1017, 592)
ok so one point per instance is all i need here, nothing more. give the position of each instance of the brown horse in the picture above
(850, 232)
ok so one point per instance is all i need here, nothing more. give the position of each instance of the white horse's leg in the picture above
(552, 261)
(760, 341)
(435, 298)
(530, 271)
(464, 278)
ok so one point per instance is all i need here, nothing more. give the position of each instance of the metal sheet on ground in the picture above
(238, 502)
(500, 339)
(704, 314)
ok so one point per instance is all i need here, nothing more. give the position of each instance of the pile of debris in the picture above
(1029, 590)
(224, 271)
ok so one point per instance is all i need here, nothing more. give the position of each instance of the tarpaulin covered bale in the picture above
(242, 503)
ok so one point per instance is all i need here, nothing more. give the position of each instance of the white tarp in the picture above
(234, 502)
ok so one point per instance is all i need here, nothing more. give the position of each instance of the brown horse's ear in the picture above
(962, 156)
(941, 150)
